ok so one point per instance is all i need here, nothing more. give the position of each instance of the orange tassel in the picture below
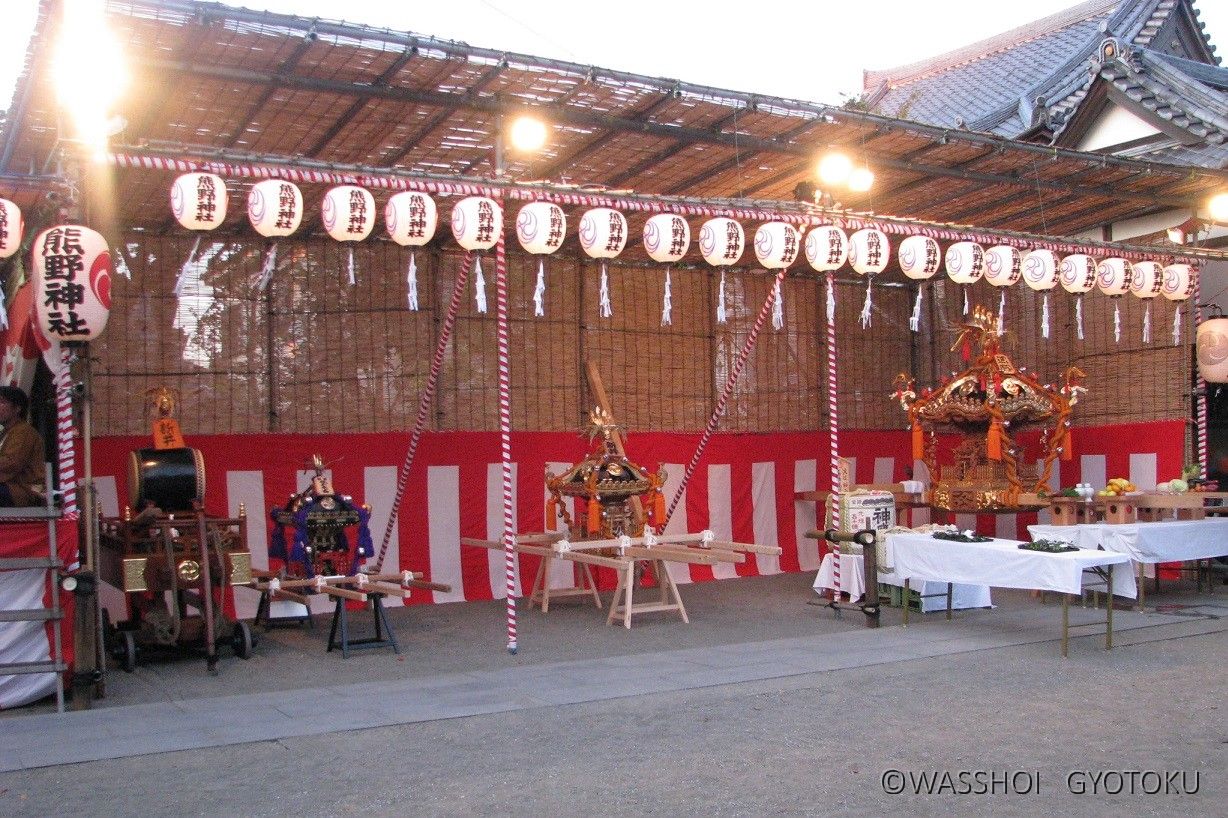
(552, 512)
(594, 516)
(1068, 447)
(918, 441)
(658, 508)
(993, 444)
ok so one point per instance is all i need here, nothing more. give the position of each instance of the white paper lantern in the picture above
(275, 208)
(1040, 270)
(919, 257)
(777, 245)
(411, 218)
(477, 222)
(1147, 280)
(1212, 348)
(1113, 276)
(827, 248)
(198, 200)
(1077, 275)
(348, 213)
(603, 232)
(11, 228)
(72, 282)
(721, 241)
(540, 227)
(1003, 265)
(965, 262)
(869, 251)
(1179, 281)
(667, 237)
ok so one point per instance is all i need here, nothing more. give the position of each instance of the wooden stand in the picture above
(541, 592)
(341, 622)
(623, 605)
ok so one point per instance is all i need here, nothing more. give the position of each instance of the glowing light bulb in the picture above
(834, 168)
(1218, 206)
(528, 134)
(861, 179)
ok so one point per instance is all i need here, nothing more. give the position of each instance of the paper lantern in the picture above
(72, 282)
(411, 218)
(919, 257)
(721, 241)
(1003, 265)
(1113, 276)
(348, 213)
(540, 227)
(965, 262)
(1212, 345)
(1040, 270)
(603, 232)
(1179, 281)
(869, 251)
(198, 200)
(667, 237)
(275, 208)
(1147, 280)
(477, 222)
(827, 248)
(11, 228)
(776, 245)
(1077, 275)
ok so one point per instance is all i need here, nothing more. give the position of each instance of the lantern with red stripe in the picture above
(477, 222)
(667, 237)
(1113, 277)
(1040, 273)
(1179, 283)
(1146, 283)
(1077, 275)
(776, 247)
(540, 228)
(72, 282)
(348, 215)
(869, 253)
(275, 209)
(603, 235)
(410, 218)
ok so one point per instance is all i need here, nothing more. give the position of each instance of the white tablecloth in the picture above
(1166, 541)
(1003, 564)
(853, 582)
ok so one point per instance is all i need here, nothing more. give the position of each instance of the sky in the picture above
(812, 50)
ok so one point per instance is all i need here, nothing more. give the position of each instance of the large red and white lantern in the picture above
(603, 235)
(72, 282)
(721, 241)
(827, 248)
(919, 257)
(11, 228)
(1212, 346)
(540, 228)
(667, 237)
(199, 200)
(410, 218)
(275, 208)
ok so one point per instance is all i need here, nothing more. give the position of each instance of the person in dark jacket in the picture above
(21, 452)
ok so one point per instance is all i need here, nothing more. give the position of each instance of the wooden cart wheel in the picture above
(242, 640)
(128, 656)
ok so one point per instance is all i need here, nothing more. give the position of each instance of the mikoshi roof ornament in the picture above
(1146, 283)
(198, 203)
(1113, 277)
(1212, 346)
(348, 215)
(919, 258)
(965, 262)
(1180, 281)
(984, 404)
(1003, 268)
(11, 229)
(477, 222)
(603, 235)
(1040, 272)
(540, 228)
(275, 210)
(72, 282)
(721, 241)
(869, 253)
(667, 237)
(1077, 276)
(776, 246)
(410, 218)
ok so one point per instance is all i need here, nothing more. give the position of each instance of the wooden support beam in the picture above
(603, 400)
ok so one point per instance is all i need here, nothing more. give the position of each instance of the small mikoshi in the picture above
(1113, 276)
(919, 257)
(1077, 276)
(410, 218)
(869, 253)
(603, 235)
(477, 223)
(348, 215)
(1146, 283)
(1040, 273)
(776, 247)
(720, 243)
(1212, 345)
(985, 405)
(319, 518)
(1180, 280)
(1003, 268)
(606, 482)
(540, 228)
(275, 210)
(72, 282)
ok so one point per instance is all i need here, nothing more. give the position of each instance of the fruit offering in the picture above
(1117, 487)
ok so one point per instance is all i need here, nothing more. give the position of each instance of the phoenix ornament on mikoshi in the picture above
(986, 405)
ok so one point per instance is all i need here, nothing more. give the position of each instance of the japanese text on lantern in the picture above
(874, 250)
(486, 222)
(63, 260)
(206, 198)
(790, 250)
(417, 218)
(4, 227)
(835, 247)
(677, 236)
(285, 206)
(733, 247)
(614, 241)
(556, 228)
(358, 212)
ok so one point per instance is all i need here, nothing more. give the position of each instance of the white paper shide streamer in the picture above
(667, 303)
(1146, 284)
(721, 313)
(868, 254)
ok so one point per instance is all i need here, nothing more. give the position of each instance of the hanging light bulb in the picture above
(528, 133)
(834, 168)
(861, 179)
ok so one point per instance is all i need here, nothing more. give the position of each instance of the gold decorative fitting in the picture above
(134, 574)
(189, 570)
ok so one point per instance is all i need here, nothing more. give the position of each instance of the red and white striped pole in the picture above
(424, 404)
(1201, 431)
(505, 437)
(833, 427)
(64, 435)
(730, 382)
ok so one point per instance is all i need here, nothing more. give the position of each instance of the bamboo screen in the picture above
(311, 354)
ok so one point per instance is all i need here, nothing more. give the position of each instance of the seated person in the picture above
(21, 452)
